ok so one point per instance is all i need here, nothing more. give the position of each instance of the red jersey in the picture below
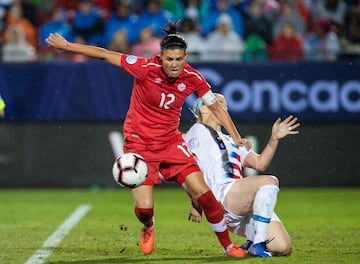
(155, 105)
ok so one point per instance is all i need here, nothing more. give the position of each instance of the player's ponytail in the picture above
(172, 40)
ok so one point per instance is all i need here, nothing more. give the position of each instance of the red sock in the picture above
(145, 216)
(215, 217)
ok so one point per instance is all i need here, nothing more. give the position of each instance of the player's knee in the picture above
(271, 179)
(275, 180)
(282, 248)
(286, 249)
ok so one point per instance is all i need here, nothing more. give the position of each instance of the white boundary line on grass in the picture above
(59, 234)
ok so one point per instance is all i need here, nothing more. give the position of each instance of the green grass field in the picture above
(324, 225)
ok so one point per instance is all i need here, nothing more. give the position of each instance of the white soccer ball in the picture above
(130, 170)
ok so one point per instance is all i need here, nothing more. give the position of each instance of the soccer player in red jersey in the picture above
(161, 85)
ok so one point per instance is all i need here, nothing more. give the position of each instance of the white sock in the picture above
(264, 205)
(249, 230)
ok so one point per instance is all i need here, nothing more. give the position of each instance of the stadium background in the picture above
(56, 129)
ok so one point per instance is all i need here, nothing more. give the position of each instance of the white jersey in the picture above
(219, 158)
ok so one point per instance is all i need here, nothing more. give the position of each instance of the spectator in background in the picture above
(288, 46)
(4, 7)
(255, 49)
(154, 16)
(305, 14)
(271, 8)
(197, 10)
(87, 24)
(58, 23)
(223, 7)
(195, 40)
(310, 4)
(350, 37)
(29, 11)
(223, 44)
(2, 108)
(122, 19)
(331, 10)
(66, 4)
(16, 18)
(242, 6)
(256, 23)
(104, 7)
(119, 42)
(352, 3)
(15, 48)
(148, 45)
(323, 43)
(175, 7)
(288, 14)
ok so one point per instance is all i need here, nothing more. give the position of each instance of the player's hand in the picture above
(239, 141)
(246, 143)
(286, 127)
(57, 41)
(243, 142)
(194, 214)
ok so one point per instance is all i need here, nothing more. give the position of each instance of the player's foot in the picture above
(235, 252)
(259, 250)
(147, 241)
(246, 245)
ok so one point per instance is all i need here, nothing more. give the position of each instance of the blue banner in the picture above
(96, 90)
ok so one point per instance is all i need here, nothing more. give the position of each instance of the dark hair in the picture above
(172, 40)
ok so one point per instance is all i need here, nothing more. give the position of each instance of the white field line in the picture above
(59, 234)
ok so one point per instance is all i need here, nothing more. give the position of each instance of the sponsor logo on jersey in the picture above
(158, 80)
(181, 87)
(131, 59)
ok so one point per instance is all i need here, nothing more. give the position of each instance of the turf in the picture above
(324, 225)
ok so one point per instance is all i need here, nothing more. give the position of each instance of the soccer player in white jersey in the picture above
(248, 202)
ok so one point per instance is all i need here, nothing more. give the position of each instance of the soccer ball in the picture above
(130, 170)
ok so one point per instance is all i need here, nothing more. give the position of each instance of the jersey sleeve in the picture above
(134, 65)
(199, 81)
(243, 153)
(204, 89)
(195, 136)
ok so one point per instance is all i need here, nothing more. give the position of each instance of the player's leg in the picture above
(144, 198)
(257, 194)
(279, 239)
(195, 185)
(144, 211)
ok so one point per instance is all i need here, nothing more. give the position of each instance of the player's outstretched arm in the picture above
(57, 41)
(280, 129)
(224, 116)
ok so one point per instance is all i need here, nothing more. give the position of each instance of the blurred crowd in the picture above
(216, 30)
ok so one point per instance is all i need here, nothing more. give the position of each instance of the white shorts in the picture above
(243, 225)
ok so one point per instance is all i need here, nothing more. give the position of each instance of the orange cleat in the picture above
(235, 252)
(147, 241)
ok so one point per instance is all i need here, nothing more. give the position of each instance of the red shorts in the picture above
(172, 161)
